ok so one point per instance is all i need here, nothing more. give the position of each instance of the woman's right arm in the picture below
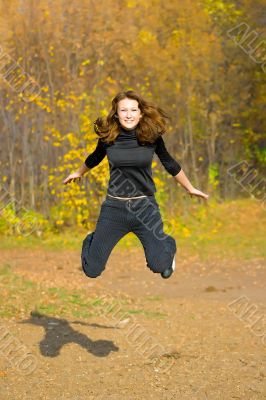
(77, 175)
(91, 161)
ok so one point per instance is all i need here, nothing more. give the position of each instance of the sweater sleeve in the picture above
(96, 156)
(169, 163)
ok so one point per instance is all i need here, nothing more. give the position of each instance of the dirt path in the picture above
(206, 349)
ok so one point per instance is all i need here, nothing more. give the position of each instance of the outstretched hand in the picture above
(72, 177)
(196, 192)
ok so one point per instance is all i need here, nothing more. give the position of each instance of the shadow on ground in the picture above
(58, 333)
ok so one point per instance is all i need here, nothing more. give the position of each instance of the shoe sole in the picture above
(173, 265)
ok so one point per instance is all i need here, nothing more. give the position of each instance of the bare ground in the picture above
(208, 350)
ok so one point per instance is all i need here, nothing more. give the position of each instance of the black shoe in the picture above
(168, 272)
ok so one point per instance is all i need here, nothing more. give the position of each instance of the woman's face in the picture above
(128, 113)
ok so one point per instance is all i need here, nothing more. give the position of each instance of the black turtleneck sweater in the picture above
(130, 163)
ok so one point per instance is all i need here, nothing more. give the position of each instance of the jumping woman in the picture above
(129, 136)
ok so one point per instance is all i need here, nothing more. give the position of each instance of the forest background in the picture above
(203, 62)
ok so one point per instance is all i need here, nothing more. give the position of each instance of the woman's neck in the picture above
(122, 129)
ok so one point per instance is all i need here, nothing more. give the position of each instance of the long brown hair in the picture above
(152, 124)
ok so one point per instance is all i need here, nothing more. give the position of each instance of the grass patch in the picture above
(148, 314)
(227, 230)
(232, 229)
(21, 298)
(154, 298)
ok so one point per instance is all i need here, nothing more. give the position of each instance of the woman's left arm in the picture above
(175, 169)
(184, 181)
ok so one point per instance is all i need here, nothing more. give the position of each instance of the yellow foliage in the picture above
(76, 203)
(131, 3)
(158, 183)
(186, 232)
(146, 36)
(86, 62)
(110, 80)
